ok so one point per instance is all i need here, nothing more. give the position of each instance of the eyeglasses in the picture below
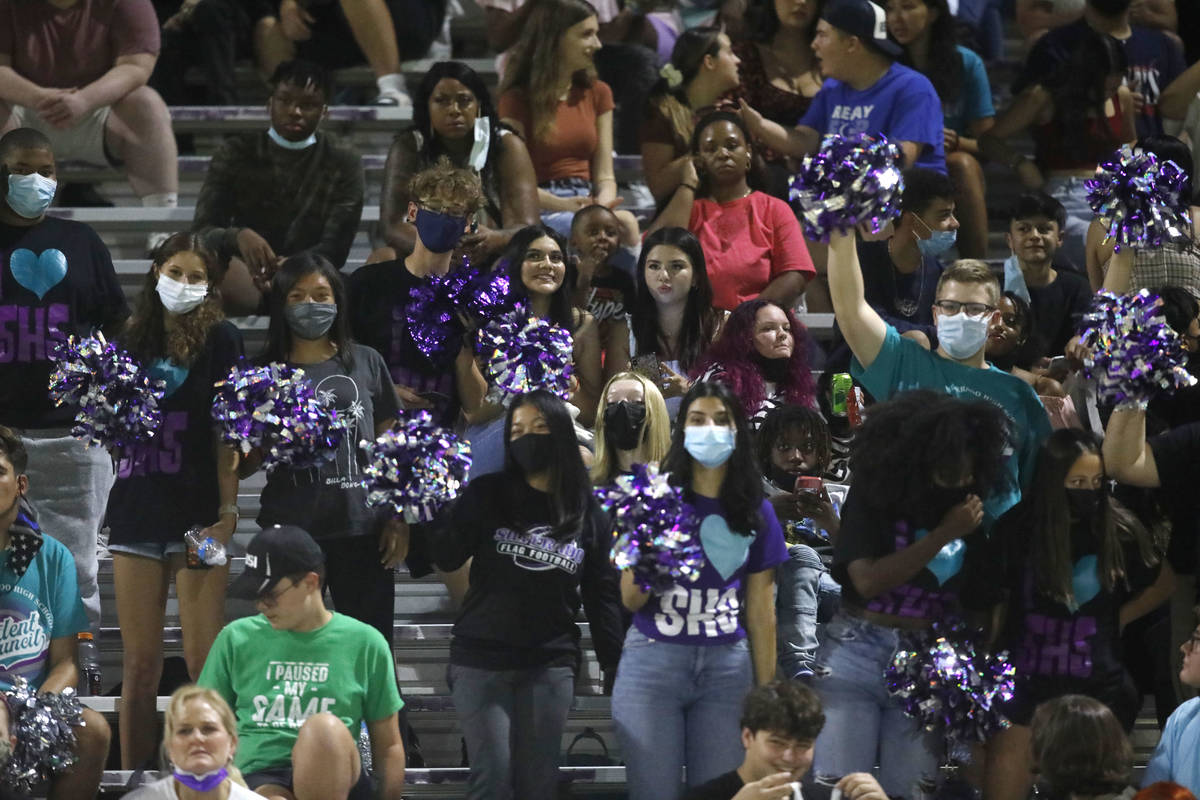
(271, 599)
(952, 307)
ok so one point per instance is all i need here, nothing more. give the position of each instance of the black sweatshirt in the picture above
(526, 585)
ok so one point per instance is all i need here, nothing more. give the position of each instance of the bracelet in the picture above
(230, 509)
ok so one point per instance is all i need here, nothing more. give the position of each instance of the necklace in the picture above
(905, 306)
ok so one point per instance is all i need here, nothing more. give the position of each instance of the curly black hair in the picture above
(919, 438)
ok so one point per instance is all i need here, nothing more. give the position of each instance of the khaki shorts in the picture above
(84, 142)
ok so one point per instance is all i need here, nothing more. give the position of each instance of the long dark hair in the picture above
(279, 335)
(945, 62)
(741, 490)
(570, 488)
(918, 436)
(1078, 90)
(763, 23)
(562, 312)
(1050, 520)
(734, 352)
(687, 56)
(1170, 148)
(699, 316)
(146, 335)
(431, 145)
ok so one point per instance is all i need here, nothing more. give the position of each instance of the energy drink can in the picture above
(840, 390)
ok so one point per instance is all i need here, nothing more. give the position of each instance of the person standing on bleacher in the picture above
(56, 280)
(76, 70)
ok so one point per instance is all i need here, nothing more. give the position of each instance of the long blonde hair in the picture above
(175, 708)
(535, 62)
(656, 431)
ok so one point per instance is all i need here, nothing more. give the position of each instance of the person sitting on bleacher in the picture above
(272, 194)
(303, 680)
(40, 614)
(56, 280)
(77, 72)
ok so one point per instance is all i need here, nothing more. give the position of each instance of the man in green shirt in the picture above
(302, 680)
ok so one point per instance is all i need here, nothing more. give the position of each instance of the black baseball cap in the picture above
(274, 554)
(864, 19)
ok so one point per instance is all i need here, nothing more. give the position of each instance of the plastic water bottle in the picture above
(89, 664)
(203, 552)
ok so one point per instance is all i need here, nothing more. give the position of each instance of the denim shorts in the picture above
(159, 551)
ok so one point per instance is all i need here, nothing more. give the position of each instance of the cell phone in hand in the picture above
(648, 366)
(809, 485)
(1059, 364)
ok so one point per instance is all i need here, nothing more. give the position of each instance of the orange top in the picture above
(572, 143)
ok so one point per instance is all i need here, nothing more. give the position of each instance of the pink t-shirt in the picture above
(747, 243)
(71, 47)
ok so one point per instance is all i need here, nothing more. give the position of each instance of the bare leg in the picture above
(969, 204)
(240, 294)
(372, 26)
(1007, 773)
(325, 763)
(816, 293)
(271, 47)
(139, 132)
(141, 585)
(201, 610)
(83, 779)
(7, 123)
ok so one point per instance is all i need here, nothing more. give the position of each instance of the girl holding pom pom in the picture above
(537, 543)
(181, 478)
(632, 427)
(694, 650)
(309, 330)
(1081, 567)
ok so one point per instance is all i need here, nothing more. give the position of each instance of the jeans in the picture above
(864, 725)
(513, 722)
(560, 221)
(798, 582)
(677, 705)
(69, 484)
(1072, 193)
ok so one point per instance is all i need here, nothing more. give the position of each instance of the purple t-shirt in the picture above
(708, 611)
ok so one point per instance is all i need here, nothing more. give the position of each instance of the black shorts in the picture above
(416, 23)
(1116, 692)
(282, 776)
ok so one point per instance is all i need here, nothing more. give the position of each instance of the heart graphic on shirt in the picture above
(170, 373)
(38, 274)
(1085, 580)
(948, 561)
(725, 550)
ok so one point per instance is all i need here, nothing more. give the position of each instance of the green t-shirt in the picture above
(275, 680)
(902, 364)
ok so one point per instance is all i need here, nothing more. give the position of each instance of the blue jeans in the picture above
(560, 221)
(796, 602)
(1072, 193)
(864, 725)
(677, 705)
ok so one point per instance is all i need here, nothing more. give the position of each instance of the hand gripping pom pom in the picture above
(117, 399)
(274, 408)
(43, 725)
(1140, 199)
(526, 353)
(657, 533)
(852, 180)
(484, 296)
(415, 467)
(1135, 354)
(947, 686)
(433, 321)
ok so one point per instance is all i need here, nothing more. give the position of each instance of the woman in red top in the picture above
(752, 243)
(551, 97)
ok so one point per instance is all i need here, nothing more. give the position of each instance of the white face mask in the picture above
(180, 298)
(962, 336)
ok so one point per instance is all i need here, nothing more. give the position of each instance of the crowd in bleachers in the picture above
(936, 453)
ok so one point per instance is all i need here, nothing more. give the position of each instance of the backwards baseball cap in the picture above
(274, 554)
(864, 19)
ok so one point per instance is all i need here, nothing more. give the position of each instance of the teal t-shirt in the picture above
(275, 680)
(902, 364)
(43, 605)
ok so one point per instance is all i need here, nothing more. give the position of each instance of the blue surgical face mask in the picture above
(288, 144)
(711, 445)
(937, 243)
(962, 336)
(310, 320)
(30, 195)
(439, 232)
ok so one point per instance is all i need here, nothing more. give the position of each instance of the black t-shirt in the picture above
(611, 295)
(724, 787)
(330, 501)
(526, 585)
(56, 280)
(904, 301)
(1057, 309)
(1177, 459)
(932, 592)
(168, 484)
(379, 295)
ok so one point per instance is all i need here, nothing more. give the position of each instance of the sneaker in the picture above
(396, 99)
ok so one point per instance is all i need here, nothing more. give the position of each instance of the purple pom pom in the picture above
(526, 353)
(852, 180)
(1140, 200)
(415, 467)
(485, 296)
(947, 686)
(657, 533)
(433, 321)
(1135, 354)
(117, 399)
(44, 725)
(274, 408)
